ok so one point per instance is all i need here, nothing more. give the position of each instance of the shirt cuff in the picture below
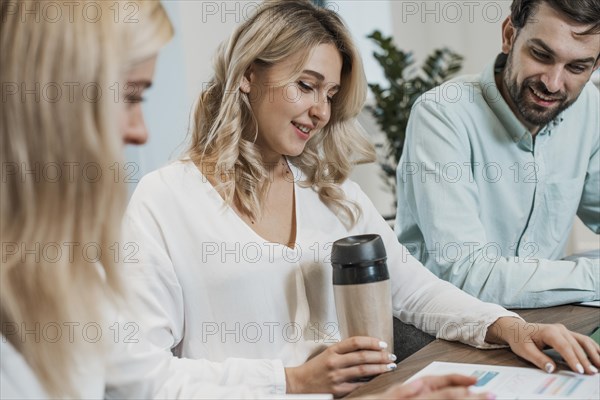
(279, 383)
(480, 342)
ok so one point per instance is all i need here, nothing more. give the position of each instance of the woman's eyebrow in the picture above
(319, 77)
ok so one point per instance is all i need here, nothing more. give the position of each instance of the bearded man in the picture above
(497, 165)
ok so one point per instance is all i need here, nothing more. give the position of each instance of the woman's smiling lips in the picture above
(303, 131)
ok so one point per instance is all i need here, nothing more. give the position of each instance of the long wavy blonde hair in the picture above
(225, 130)
(59, 197)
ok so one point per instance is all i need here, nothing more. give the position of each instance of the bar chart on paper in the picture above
(521, 383)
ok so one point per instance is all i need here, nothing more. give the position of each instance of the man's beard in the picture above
(531, 112)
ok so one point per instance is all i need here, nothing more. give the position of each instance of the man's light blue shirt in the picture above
(488, 208)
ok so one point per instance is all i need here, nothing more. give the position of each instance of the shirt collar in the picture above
(494, 99)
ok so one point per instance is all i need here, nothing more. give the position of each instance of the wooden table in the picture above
(576, 318)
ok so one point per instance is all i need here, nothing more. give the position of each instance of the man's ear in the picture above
(596, 65)
(247, 79)
(509, 35)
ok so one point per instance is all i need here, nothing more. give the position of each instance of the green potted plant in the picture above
(393, 103)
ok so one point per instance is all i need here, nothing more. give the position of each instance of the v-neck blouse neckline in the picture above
(223, 205)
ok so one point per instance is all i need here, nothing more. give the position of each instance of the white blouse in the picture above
(213, 289)
(128, 368)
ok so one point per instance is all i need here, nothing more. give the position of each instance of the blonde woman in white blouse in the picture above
(234, 239)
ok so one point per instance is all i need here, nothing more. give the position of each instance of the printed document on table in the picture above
(590, 303)
(520, 383)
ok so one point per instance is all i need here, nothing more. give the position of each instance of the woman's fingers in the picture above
(456, 393)
(440, 382)
(365, 357)
(359, 357)
(569, 345)
(578, 351)
(589, 345)
(583, 363)
(336, 369)
(399, 391)
(345, 388)
(447, 387)
(359, 343)
(364, 370)
(534, 355)
(591, 349)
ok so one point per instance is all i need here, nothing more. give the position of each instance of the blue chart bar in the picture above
(574, 386)
(483, 377)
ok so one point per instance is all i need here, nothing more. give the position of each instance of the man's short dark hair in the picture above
(586, 12)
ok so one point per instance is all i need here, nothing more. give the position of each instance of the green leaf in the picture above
(407, 83)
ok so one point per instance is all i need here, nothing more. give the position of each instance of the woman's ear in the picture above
(247, 79)
(509, 34)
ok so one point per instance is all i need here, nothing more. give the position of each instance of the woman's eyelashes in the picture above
(134, 99)
(134, 92)
(307, 87)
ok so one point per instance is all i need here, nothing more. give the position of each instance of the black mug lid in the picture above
(359, 259)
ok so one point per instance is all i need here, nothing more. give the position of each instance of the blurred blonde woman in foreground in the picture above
(65, 329)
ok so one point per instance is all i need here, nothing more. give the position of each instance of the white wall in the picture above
(471, 28)
(183, 67)
(205, 25)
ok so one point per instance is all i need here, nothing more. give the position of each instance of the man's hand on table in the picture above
(527, 340)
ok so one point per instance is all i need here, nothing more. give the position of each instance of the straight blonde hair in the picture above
(59, 138)
(225, 130)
